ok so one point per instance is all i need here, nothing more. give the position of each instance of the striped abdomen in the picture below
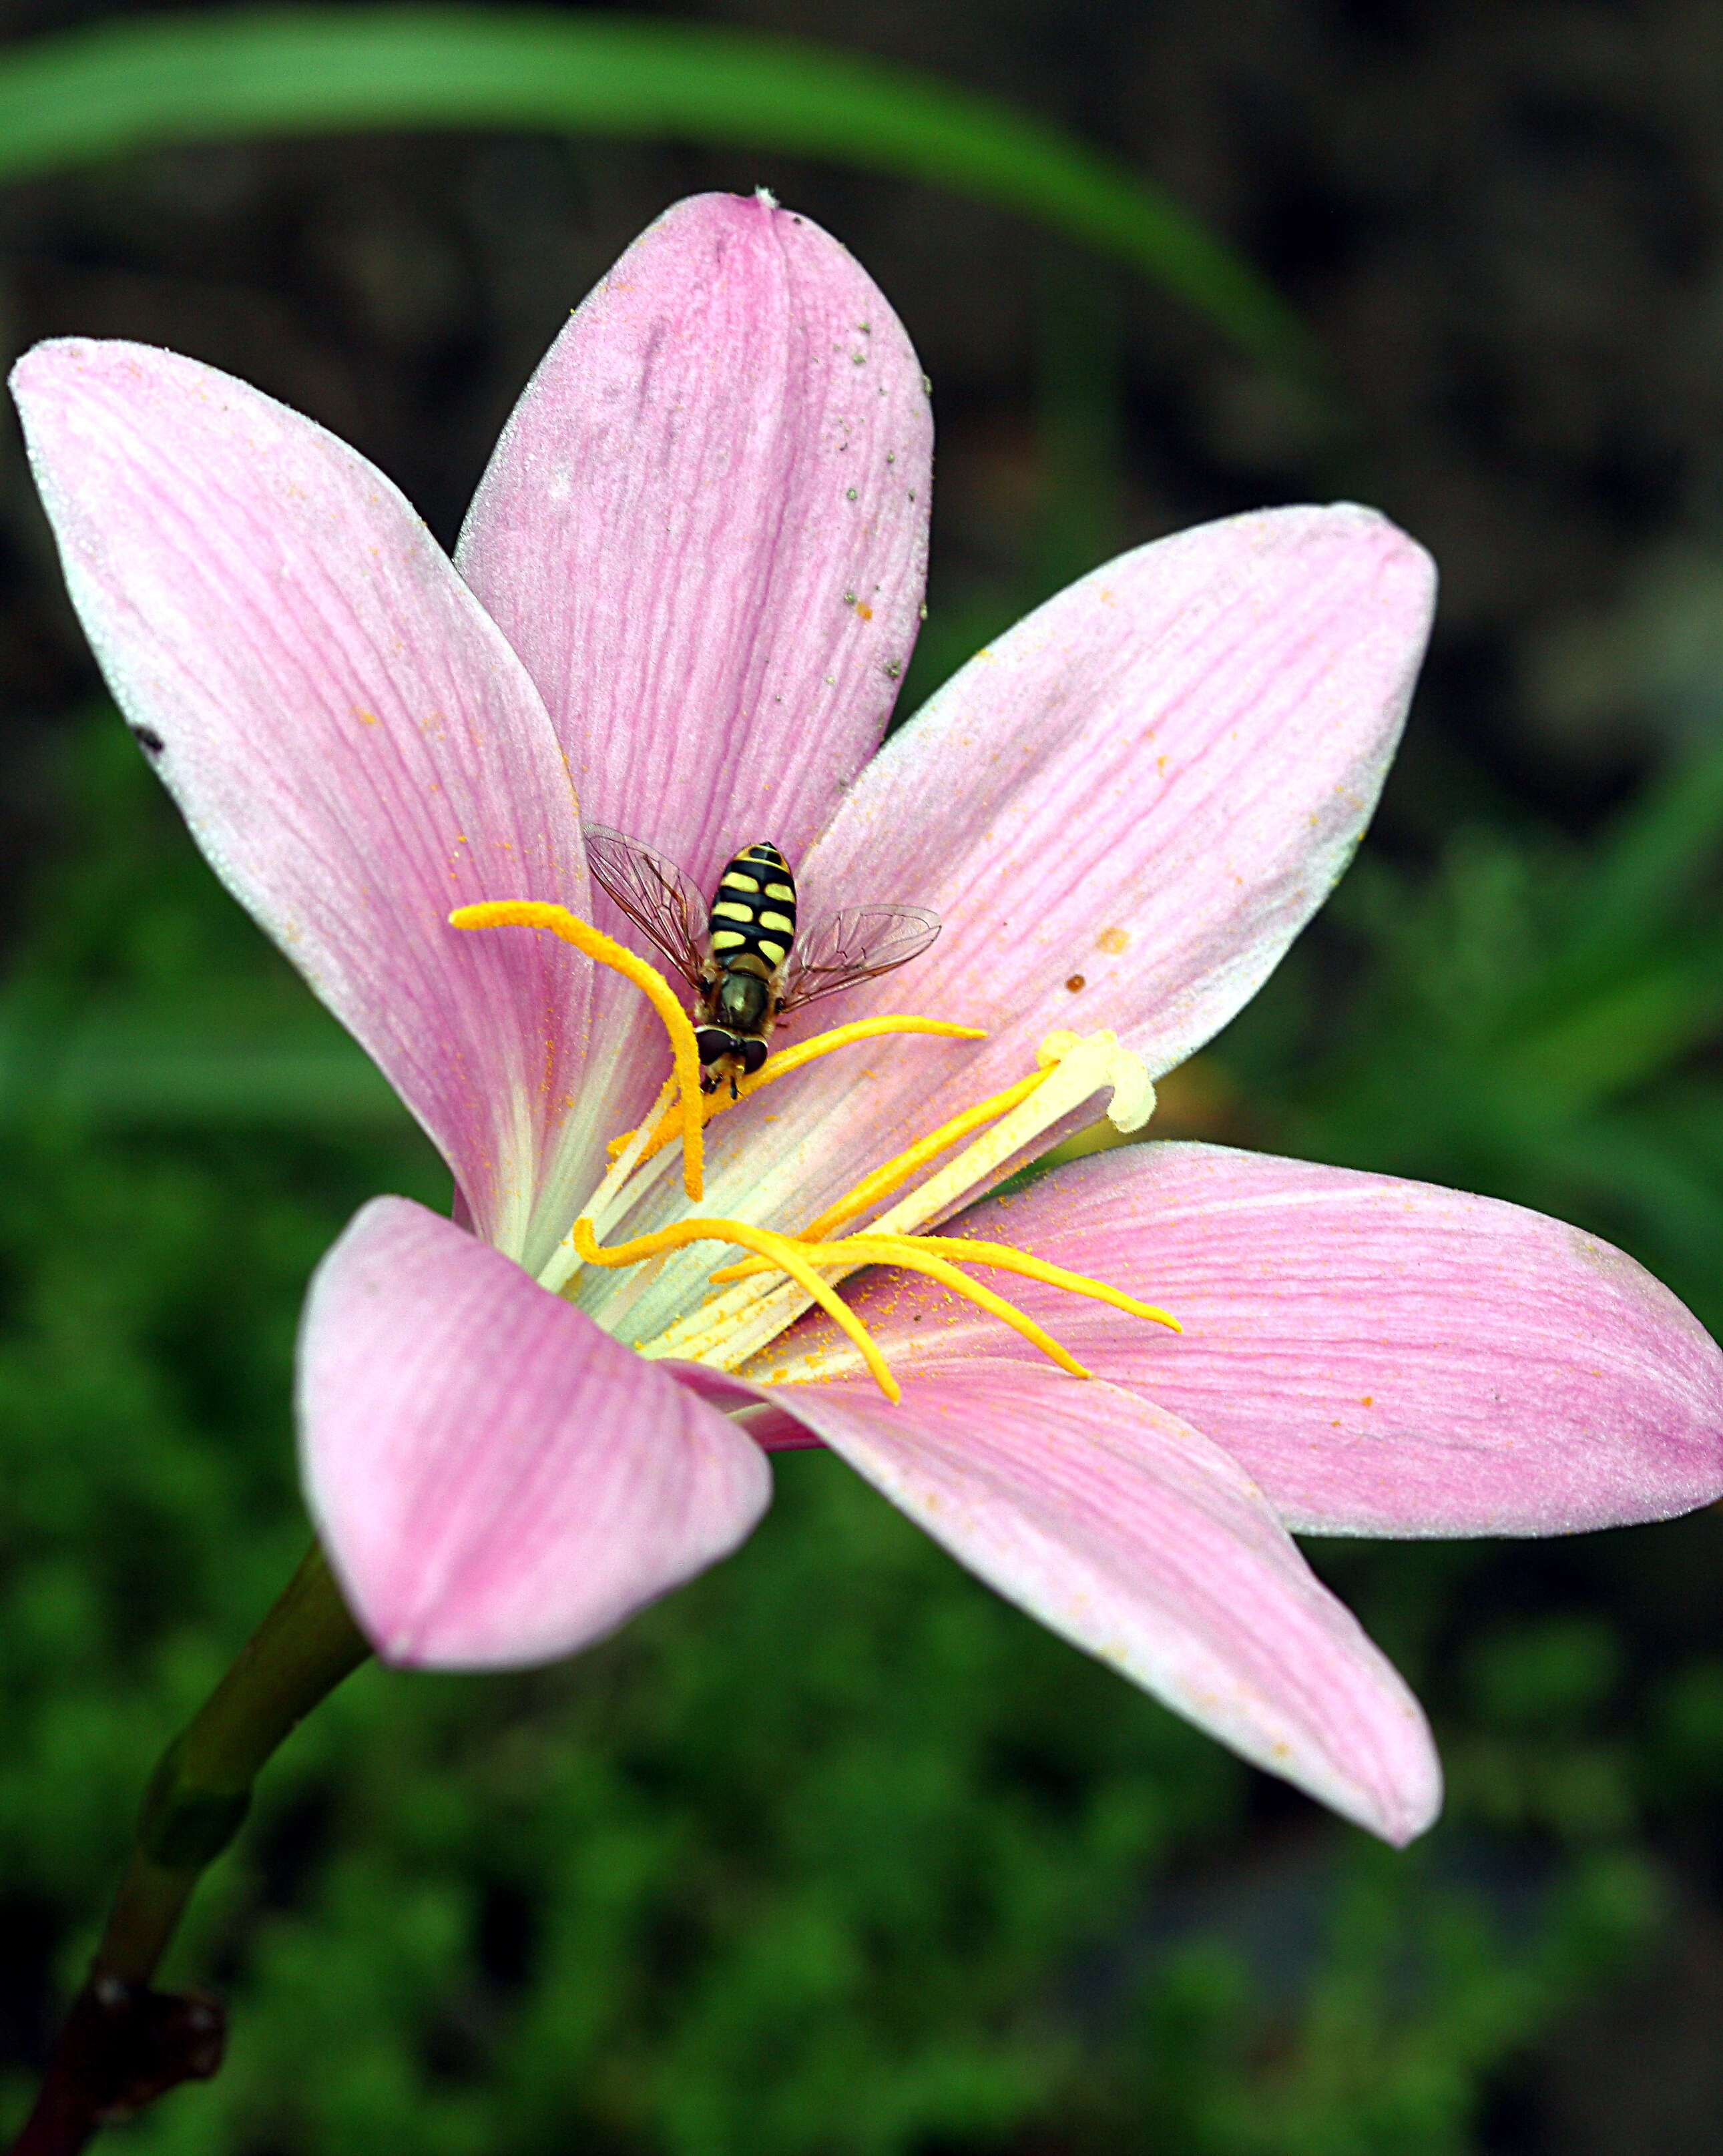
(753, 912)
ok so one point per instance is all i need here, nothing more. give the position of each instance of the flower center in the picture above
(782, 1275)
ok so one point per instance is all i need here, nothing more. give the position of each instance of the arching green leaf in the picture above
(71, 100)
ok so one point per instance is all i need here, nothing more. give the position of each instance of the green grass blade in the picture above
(71, 100)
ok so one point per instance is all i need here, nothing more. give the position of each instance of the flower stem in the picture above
(123, 2043)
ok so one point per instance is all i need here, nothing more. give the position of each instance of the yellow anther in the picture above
(882, 1181)
(1074, 1068)
(908, 1250)
(971, 1250)
(792, 1059)
(898, 1251)
(606, 951)
(783, 1255)
(933, 1255)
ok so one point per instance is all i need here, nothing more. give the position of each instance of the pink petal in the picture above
(497, 1482)
(705, 531)
(1145, 788)
(1150, 784)
(353, 744)
(1128, 1532)
(1385, 1357)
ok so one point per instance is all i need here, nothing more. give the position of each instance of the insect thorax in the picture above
(741, 1000)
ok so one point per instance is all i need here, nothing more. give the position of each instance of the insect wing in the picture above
(664, 905)
(858, 944)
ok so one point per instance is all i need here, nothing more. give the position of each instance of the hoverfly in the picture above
(746, 970)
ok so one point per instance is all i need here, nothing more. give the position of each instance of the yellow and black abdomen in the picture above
(754, 913)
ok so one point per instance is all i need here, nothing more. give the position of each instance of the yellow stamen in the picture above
(792, 1059)
(881, 1182)
(900, 1250)
(564, 1260)
(784, 1255)
(907, 1250)
(1074, 1068)
(747, 1315)
(606, 951)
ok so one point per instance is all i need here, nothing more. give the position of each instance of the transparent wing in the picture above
(665, 906)
(858, 944)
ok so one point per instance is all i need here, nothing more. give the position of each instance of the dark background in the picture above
(903, 1876)
(1501, 221)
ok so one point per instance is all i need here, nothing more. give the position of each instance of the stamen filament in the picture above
(565, 1259)
(881, 1181)
(782, 1253)
(792, 1059)
(867, 1249)
(745, 1316)
(1074, 1068)
(897, 1250)
(606, 951)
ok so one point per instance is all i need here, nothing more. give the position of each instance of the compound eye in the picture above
(713, 1041)
(753, 1054)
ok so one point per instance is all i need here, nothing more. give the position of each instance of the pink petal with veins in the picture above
(1151, 782)
(496, 1481)
(353, 743)
(705, 531)
(1383, 1357)
(1146, 788)
(1131, 1534)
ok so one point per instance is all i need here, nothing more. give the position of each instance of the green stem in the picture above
(122, 2043)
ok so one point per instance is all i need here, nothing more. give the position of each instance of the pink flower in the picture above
(686, 588)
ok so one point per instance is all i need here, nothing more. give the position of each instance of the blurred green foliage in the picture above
(832, 1854)
(1530, 1019)
(117, 86)
(832, 1851)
